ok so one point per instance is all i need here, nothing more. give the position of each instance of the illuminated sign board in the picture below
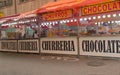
(57, 15)
(101, 8)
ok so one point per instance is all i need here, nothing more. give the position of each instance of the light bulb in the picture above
(114, 15)
(85, 19)
(89, 18)
(81, 19)
(71, 20)
(94, 17)
(99, 17)
(108, 16)
(104, 16)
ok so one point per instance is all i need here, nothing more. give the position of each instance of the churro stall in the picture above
(8, 34)
(58, 28)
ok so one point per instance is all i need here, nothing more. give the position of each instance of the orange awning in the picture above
(29, 13)
(67, 4)
(90, 2)
(52, 6)
(63, 5)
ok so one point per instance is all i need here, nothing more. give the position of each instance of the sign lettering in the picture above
(9, 45)
(58, 45)
(101, 46)
(28, 45)
(57, 15)
(100, 8)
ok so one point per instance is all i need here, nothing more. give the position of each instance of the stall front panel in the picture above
(59, 45)
(28, 46)
(8, 45)
(100, 46)
(58, 24)
(100, 30)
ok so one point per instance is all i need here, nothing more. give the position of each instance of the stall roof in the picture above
(7, 18)
(11, 16)
(46, 7)
(27, 14)
(68, 4)
(63, 5)
(90, 2)
(52, 4)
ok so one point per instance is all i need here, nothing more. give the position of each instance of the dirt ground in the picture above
(33, 64)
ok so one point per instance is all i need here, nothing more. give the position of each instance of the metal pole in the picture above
(78, 26)
(15, 6)
(39, 31)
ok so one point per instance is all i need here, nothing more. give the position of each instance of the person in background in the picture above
(35, 34)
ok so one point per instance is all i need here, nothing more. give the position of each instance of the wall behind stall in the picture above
(18, 7)
(8, 10)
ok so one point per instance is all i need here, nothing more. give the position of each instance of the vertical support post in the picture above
(78, 25)
(39, 22)
(17, 46)
(15, 6)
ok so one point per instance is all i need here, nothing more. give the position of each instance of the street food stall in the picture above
(18, 33)
(58, 31)
(76, 27)
(100, 29)
(7, 34)
(29, 43)
(61, 25)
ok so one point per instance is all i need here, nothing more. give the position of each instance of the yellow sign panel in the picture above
(57, 15)
(100, 8)
(1, 14)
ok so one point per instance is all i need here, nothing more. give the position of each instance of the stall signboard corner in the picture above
(101, 8)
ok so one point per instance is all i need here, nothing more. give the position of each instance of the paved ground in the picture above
(32, 64)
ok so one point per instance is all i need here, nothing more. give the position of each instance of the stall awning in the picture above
(5, 19)
(90, 2)
(53, 6)
(12, 16)
(47, 7)
(62, 5)
(27, 14)
(60, 2)
(68, 4)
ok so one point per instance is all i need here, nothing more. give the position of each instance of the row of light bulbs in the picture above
(20, 22)
(99, 17)
(99, 23)
(64, 21)
(56, 22)
(32, 26)
(81, 19)
(19, 26)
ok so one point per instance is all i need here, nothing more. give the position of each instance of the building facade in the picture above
(11, 7)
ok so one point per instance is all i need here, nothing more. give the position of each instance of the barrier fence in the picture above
(93, 46)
